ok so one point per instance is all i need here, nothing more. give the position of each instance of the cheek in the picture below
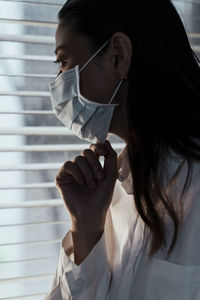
(95, 86)
(69, 64)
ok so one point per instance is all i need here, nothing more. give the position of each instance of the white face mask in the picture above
(86, 119)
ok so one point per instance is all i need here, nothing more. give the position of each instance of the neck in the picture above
(119, 124)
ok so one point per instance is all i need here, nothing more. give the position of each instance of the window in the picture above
(34, 145)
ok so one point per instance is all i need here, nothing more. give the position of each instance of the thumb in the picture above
(110, 162)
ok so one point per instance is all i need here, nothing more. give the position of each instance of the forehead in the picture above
(63, 33)
(65, 36)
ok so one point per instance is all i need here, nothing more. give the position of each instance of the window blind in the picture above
(34, 145)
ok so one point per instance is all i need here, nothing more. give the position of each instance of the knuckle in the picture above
(67, 164)
(78, 158)
(87, 152)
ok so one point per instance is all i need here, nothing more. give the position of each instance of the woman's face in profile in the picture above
(98, 79)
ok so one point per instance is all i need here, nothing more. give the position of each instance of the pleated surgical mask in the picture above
(86, 119)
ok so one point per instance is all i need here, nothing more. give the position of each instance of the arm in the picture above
(84, 236)
(90, 279)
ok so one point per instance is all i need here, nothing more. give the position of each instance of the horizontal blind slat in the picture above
(29, 22)
(28, 112)
(50, 148)
(28, 75)
(28, 57)
(27, 278)
(42, 242)
(12, 204)
(45, 185)
(30, 167)
(29, 260)
(25, 93)
(32, 130)
(35, 224)
(27, 297)
(35, 2)
(23, 38)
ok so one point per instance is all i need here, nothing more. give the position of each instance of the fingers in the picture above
(94, 163)
(110, 163)
(86, 170)
(106, 150)
(67, 171)
(98, 149)
(111, 153)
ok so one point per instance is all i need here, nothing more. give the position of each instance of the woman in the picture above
(127, 68)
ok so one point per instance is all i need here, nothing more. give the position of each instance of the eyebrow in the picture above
(59, 48)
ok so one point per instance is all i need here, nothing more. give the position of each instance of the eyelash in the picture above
(61, 62)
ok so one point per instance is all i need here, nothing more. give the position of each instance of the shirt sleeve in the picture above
(92, 279)
(89, 280)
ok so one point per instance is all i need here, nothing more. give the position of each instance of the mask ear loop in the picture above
(117, 88)
(94, 55)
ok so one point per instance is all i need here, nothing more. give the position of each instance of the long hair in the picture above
(163, 95)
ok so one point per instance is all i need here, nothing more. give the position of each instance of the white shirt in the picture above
(117, 267)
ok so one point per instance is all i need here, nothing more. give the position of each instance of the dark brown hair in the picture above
(163, 95)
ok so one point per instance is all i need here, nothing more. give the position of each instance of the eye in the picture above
(61, 62)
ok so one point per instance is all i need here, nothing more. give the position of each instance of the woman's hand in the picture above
(87, 203)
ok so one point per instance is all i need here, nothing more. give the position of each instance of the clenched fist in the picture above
(86, 187)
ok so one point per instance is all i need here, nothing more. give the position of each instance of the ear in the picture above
(122, 47)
